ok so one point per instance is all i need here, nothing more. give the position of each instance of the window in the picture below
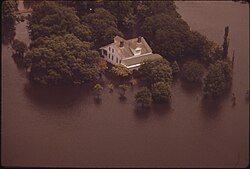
(112, 50)
(104, 52)
(109, 56)
(112, 57)
(116, 60)
(109, 48)
(120, 61)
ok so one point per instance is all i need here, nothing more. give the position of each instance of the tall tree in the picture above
(225, 43)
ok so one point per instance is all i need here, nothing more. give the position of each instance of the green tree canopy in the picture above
(161, 92)
(103, 26)
(62, 60)
(50, 18)
(218, 79)
(192, 71)
(151, 72)
(143, 97)
(19, 47)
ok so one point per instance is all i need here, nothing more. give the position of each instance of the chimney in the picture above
(139, 39)
(121, 43)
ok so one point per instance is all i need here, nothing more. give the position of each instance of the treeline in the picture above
(66, 34)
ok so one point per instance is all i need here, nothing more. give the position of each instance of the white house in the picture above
(129, 53)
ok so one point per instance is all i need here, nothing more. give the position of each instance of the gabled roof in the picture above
(129, 45)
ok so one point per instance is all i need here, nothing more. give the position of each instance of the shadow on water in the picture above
(161, 109)
(211, 107)
(9, 34)
(190, 87)
(57, 96)
(18, 61)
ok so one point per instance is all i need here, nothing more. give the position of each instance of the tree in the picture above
(225, 43)
(8, 20)
(19, 47)
(120, 71)
(122, 90)
(8, 12)
(49, 18)
(97, 89)
(161, 92)
(167, 35)
(151, 72)
(218, 79)
(175, 67)
(192, 71)
(124, 13)
(143, 97)
(111, 88)
(103, 26)
(62, 60)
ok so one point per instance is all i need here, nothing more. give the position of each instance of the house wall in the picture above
(112, 55)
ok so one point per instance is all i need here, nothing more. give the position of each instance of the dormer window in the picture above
(137, 51)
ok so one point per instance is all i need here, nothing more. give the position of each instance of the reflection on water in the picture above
(211, 107)
(51, 96)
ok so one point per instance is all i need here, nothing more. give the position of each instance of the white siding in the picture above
(112, 53)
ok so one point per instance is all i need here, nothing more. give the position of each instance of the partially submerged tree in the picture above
(218, 79)
(161, 92)
(143, 97)
(151, 72)
(97, 89)
(19, 47)
(111, 87)
(192, 71)
(122, 90)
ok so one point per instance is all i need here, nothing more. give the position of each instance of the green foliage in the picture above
(120, 71)
(62, 60)
(103, 25)
(167, 35)
(154, 71)
(49, 18)
(8, 12)
(97, 89)
(123, 11)
(19, 47)
(143, 97)
(175, 67)
(192, 71)
(122, 90)
(161, 92)
(218, 79)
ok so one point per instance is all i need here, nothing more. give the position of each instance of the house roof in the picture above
(133, 61)
(129, 45)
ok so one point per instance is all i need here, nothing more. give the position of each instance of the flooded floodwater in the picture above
(64, 126)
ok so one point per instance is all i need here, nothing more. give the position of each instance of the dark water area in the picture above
(65, 126)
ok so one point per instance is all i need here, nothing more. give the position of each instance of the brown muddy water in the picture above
(64, 126)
